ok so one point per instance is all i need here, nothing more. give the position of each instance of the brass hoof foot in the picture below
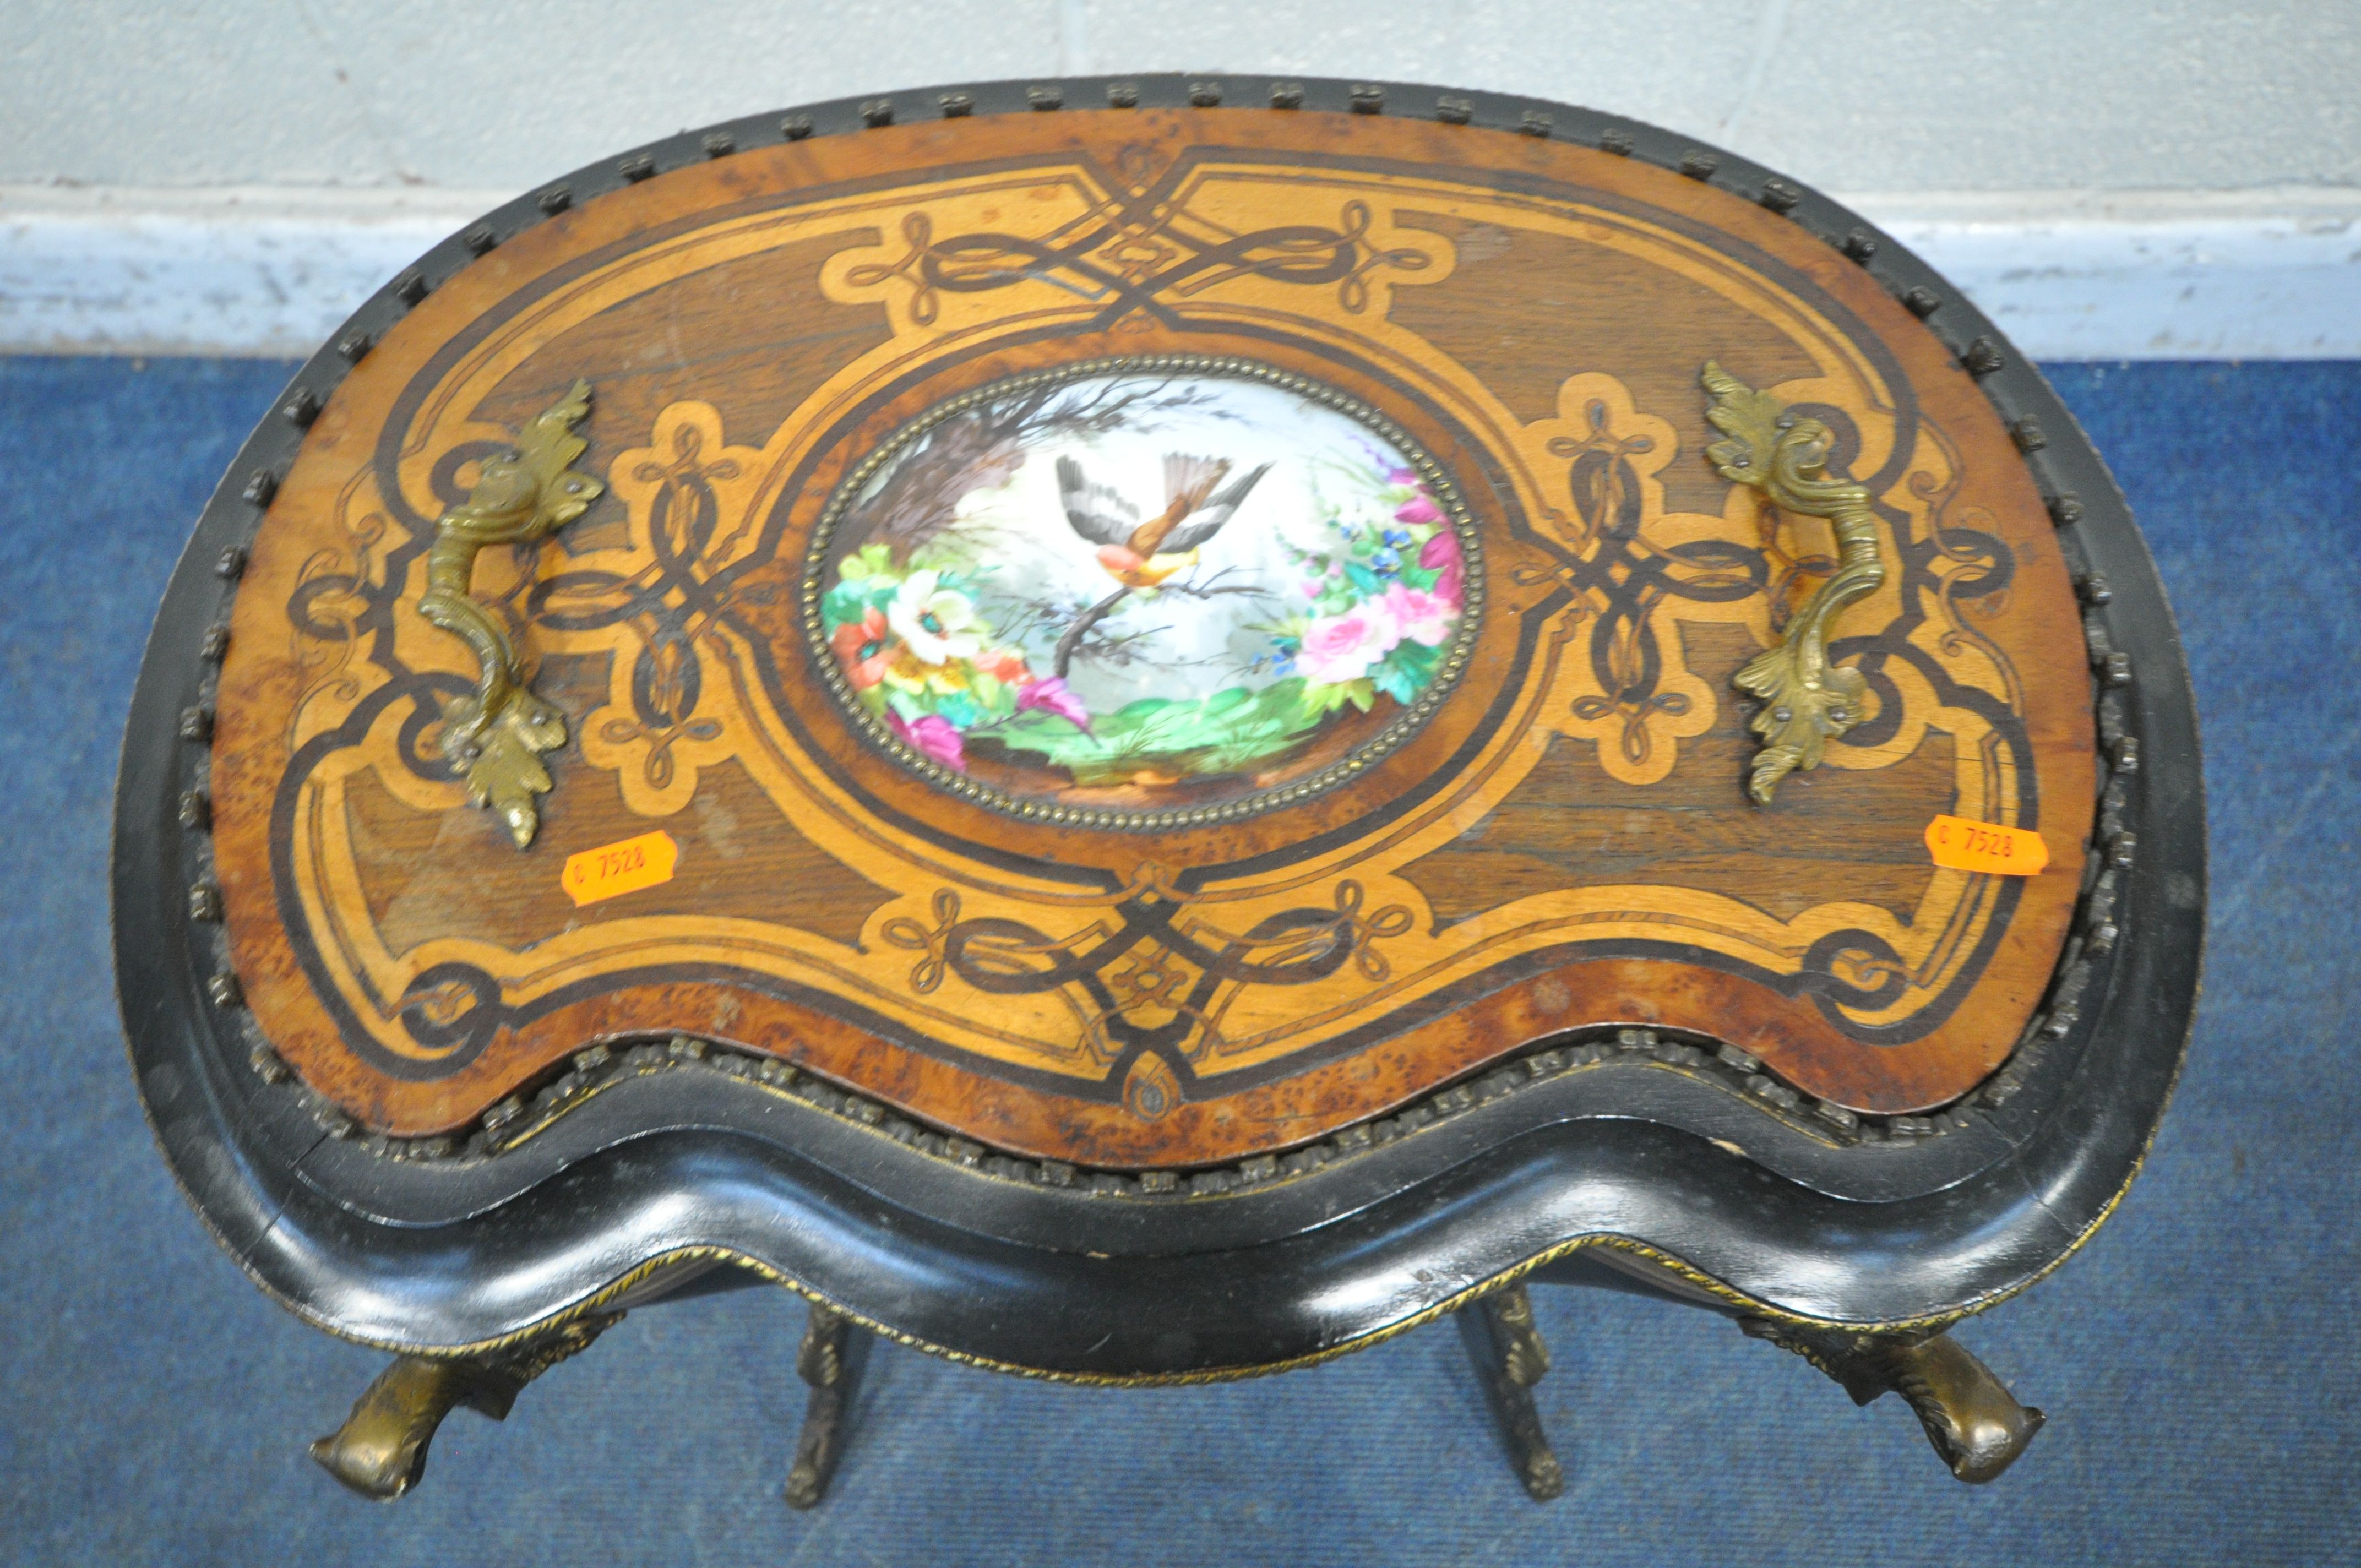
(829, 1361)
(1510, 1358)
(1975, 1425)
(380, 1450)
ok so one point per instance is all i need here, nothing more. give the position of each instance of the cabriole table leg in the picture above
(380, 1450)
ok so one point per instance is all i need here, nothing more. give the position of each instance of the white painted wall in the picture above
(2108, 176)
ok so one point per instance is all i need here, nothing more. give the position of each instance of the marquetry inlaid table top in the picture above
(1150, 636)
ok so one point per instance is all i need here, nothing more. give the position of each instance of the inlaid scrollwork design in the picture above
(1142, 248)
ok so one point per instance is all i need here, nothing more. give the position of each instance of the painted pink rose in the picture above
(1441, 556)
(931, 735)
(1052, 696)
(1422, 616)
(1341, 648)
(1420, 508)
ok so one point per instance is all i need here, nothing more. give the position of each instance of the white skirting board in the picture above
(273, 270)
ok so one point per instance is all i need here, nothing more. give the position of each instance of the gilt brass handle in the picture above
(494, 738)
(1806, 700)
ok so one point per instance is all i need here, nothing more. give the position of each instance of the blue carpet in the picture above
(2197, 1360)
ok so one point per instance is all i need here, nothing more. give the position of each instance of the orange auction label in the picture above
(1966, 845)
(615, 869)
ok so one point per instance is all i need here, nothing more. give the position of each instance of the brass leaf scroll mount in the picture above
(495, 737)
(1805, 699)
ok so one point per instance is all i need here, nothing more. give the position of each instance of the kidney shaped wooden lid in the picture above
(1141, 637)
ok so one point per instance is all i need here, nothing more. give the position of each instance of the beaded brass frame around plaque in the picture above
(1432, 473)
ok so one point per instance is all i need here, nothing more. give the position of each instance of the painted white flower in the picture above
(937, 624)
